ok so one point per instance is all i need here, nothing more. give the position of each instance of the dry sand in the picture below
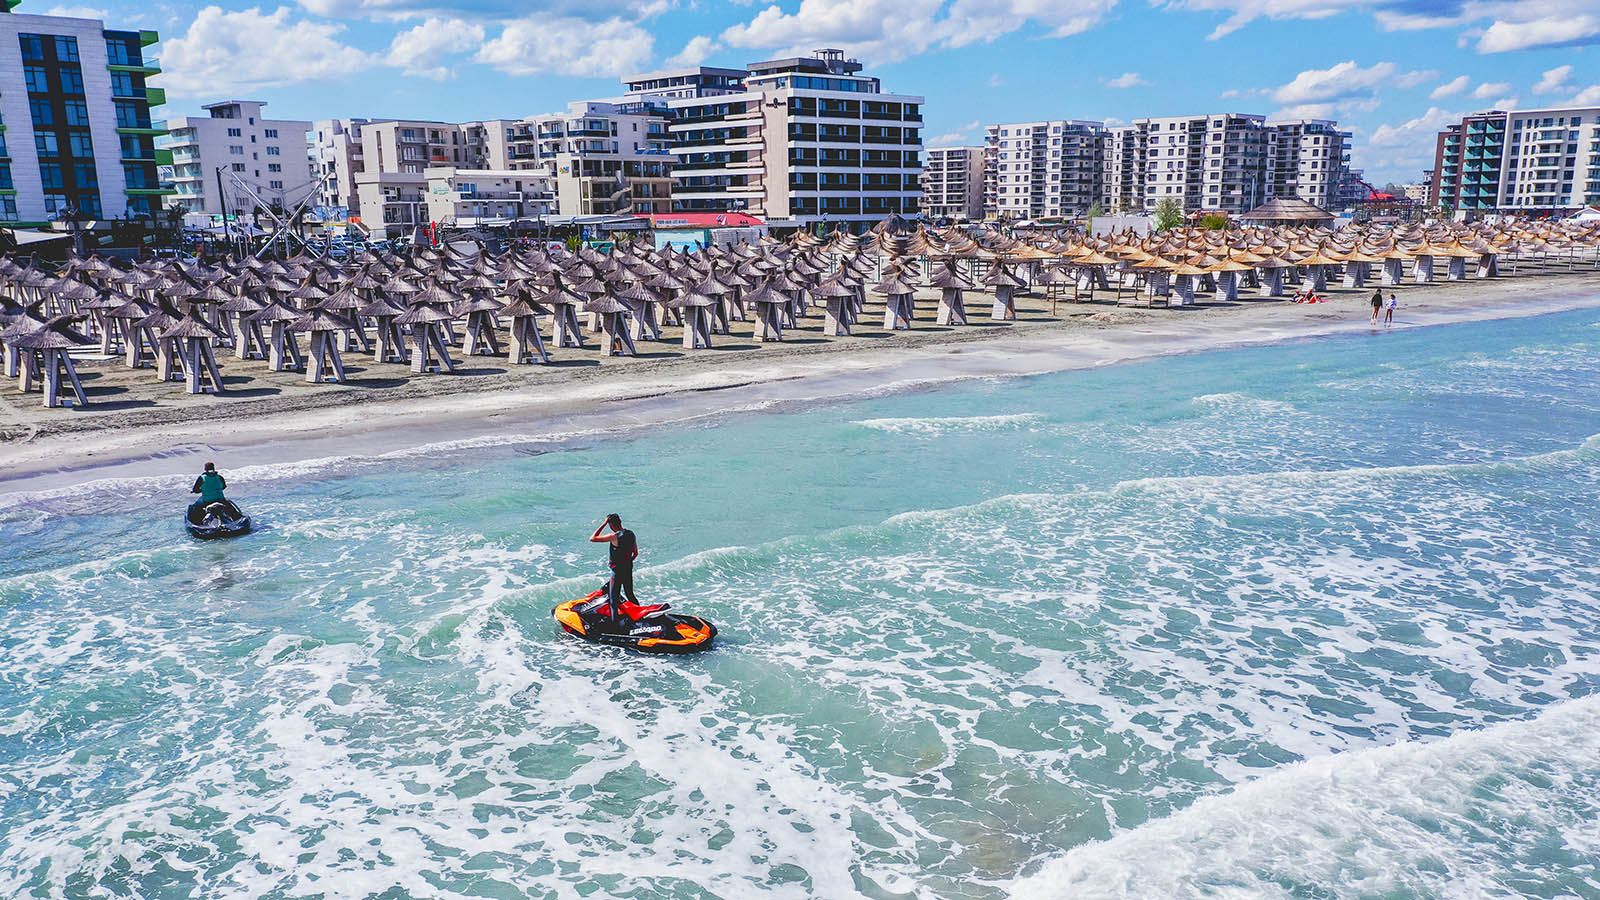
(137, 426)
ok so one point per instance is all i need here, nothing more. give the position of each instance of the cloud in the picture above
(79, 12)
(697, 51)
(959, 137)
(482, 11)
(1427, 125)
(1305, 111)
(1125, 80)
(1497, 25)
(1344, 79)
(544, 44)
(1412, 79)
(996, 80)
(1546, 31)
(1589, 96)
(1489, 89)
(886, 31)
(240, 51)
(1506, 103)
(1450, 88)
(421, 50)
(1555, 81)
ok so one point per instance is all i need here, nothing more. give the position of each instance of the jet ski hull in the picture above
(657, 632)
(229, 521)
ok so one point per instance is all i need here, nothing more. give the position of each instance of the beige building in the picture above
(270, 156)
(952, 183)
(465, 197)
(336, 160)
(392, 203)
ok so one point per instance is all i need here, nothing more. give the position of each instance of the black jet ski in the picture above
(217, 519)
(648, 629)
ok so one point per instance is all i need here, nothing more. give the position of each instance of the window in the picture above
(43, 115)
(32, 46)
(129, 115)
(234, 132)
(44, 143)
(86, 175)
(272, 151)
(35, 79)
(50, 175)
(277, 185)
(122, 85)
(117, 53)
(78, 144)
(8, 209)
(238, 167)
(66, 49)
(236, 149)
(89, 205)
(5, 177)
(71, 80)
(271, 132)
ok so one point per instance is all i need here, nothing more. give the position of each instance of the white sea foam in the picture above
(1402, 820)
(938, 425)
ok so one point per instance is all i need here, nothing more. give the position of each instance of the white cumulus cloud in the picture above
(239, 51)
(1412, 131)
(1554, 81)
(1546, 31)
(697, 51)
(1490, 89)
(422, 50)
(1346, 79)
(1450, 88)
(1125, 80)
(568, 46)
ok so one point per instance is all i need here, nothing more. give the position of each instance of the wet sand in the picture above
(139, 426)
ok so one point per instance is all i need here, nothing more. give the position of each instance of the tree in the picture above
(1214, 222)
(1169, 214)
(1094, 212)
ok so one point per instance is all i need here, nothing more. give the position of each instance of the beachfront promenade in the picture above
(199, 341)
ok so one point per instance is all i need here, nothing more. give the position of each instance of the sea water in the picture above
(1310, 620)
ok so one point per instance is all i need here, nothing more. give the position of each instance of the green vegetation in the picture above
(1214, 222)
(1169, 214)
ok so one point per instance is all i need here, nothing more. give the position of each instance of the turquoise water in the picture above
(1310, 620)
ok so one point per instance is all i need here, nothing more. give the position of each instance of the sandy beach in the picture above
(138, 426)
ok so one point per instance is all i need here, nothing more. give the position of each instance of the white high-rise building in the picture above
(952, 183)
(803, 139)
(1309, 161)
(1050, 169)
(336, 158)
(607, 157)
(1217, 162)
(233, 145)
(77, 135)
(1525, 160)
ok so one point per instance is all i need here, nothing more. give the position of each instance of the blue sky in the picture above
(1391, 71)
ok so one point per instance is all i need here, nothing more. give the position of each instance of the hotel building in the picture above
(952, 183)
(270, 156)
(607, 157)
(1049, 169)
(465, 197)
(77, 133)
(1309, 160)
(1529, 159)
(336, 159)
(809, 140)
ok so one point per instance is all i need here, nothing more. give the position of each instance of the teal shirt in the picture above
(209, 486)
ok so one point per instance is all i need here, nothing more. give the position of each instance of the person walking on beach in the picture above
(209, 486)
(1377, 304)
(624, 550)
(1388, 310)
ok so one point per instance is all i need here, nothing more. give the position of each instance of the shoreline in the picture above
(592, 397)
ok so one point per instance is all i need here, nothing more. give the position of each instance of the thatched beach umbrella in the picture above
(695, 306)
(527, 345)
(428, 352)
(323, 325)
(191, 337)
(51, 342)
(283, 350)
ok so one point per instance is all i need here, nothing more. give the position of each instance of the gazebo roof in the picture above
(1288, 209)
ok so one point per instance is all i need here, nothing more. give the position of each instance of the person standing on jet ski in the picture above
(624, 550)
(209, 486)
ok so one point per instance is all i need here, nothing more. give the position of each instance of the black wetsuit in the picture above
(624, 550)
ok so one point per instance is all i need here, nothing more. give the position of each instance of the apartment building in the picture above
(76, 136)
(1216, 162)
(1526, 160)
(1051, 169)
(1309, 159)
(336, 159)
(1125, 170)
(607, 157)
(952, 183)
(392, 203)
(465, 197)
(220, 158)
(803, 139)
